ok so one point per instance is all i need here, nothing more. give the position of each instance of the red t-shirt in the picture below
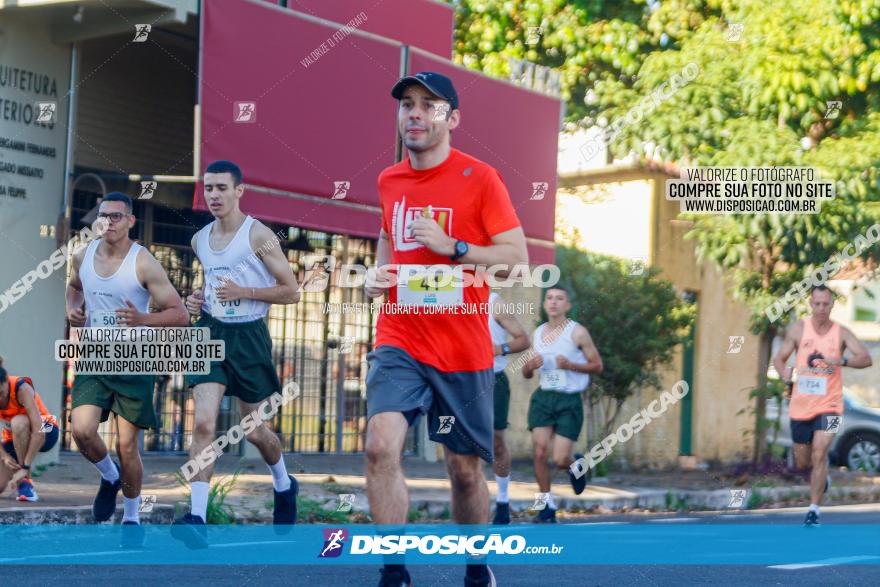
(469, 201)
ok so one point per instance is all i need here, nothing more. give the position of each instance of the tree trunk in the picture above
(764, 349)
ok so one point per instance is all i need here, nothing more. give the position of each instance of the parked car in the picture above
(856, 446)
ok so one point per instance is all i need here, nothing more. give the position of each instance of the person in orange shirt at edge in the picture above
(817, 395)
(439, 206)
(28, 428)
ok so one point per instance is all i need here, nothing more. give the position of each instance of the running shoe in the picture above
(105, 502)
(502, 514)
(812, 519)
(577, 483)
(395, 578)
(132, 535)
(546, 516)
(488, 580)
(285, 506)
(26, 491)
(191, 530)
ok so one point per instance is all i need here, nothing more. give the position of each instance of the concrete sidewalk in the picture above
(66, 490)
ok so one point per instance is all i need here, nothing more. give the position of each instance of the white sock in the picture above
(551, 503)
(199, 496)
(130, 506)
(814, 508)
(280, 480)
(107, 469)
(502, 482)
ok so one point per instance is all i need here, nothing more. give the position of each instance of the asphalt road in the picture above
(862, 567)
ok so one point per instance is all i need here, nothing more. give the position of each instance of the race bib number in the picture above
(231, 308)
(417, 285)
(103, 319)
(553, 379)
(808, 385)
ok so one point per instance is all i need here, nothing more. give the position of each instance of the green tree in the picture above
(636, 321)
(761, 101)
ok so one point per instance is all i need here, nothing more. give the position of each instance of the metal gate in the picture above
(320, 348)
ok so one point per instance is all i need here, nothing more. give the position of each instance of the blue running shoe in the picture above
(812, 519)
(132, 535)
(26, 491)
(285, 507)
(105, 502)
(502, 514)
(191, 530)
(578, 484)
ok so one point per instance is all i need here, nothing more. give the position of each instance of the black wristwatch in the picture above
(461, 249)
(505, 349)
(26, 467)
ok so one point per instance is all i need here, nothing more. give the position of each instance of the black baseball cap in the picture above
(438, 84)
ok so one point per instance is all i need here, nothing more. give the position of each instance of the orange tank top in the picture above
(818, 390)
(13, 408)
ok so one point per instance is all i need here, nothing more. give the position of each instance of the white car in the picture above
(856, 445)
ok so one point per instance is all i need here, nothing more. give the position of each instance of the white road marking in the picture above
(675, 520)
(824, 563)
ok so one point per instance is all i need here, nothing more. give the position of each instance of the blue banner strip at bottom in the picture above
(587, 544)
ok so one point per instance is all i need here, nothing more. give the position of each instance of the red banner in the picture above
(426, 24)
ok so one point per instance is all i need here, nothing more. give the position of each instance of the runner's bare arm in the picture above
(789, 345)
(162, 294)
(860, 358)
(584, 341)
(268, 248)
(532, 365)
(509, 322)
(74, 297)
(195, 299)
(508, 248)
(379, 277)
(27, 401)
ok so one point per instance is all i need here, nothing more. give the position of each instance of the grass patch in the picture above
(756, 500)
(218, 511)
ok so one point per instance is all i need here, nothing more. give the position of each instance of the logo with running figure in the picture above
(340, 189)
(738, 498)
(46, 424)
(334, 540)
(539, 190)
(441, 112)
(446, 423)
(148, 502)
(148, 189)
(46, 112)
(833, 424)
(245, 112)
(141, 32)
(736, 344)
(541, 500)
(346, 502)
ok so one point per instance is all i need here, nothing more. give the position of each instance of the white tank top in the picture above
(105, 295)
(239, 262)
(562, 380)
(499, 336)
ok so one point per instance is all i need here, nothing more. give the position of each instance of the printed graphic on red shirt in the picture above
(403, 218)
(468, 200)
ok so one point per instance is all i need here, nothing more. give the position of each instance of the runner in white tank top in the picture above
(564, 357)
(503, 323)
(245, 272)
(111, 285)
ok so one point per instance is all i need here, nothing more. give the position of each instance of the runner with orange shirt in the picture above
(31, 430)
(817, 395)
(439, 207)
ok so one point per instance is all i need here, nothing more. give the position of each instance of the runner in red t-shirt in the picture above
(440, 208)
